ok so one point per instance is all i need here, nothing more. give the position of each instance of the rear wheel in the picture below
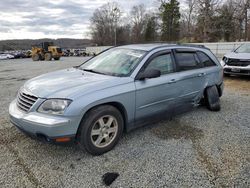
(48, 57)
(35, 57)
(101, 129)
(212, 98)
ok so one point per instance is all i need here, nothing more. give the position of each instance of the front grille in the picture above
(238, 62)
(25, 101)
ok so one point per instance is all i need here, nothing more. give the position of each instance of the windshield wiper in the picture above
(92, 70)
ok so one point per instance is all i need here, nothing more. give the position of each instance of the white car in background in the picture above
(6, 56)
(237, 62)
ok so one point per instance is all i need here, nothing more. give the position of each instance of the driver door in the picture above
(156, 96)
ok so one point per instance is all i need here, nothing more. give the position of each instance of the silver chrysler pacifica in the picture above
(116, 91)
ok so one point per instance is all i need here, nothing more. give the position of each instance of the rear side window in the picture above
(162, 63)
(187, 61)
(205, 60)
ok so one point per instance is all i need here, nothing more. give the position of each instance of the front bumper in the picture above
(39, 125)
(237, 70)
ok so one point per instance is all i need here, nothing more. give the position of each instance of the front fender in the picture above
(123, 94)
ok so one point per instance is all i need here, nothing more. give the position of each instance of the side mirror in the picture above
(150, 73)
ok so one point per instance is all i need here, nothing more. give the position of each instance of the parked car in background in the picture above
(6, 56)
(94, 50)
(19, 55)
(28, 53)
(116, 91)
(65, 52)
(237, 62)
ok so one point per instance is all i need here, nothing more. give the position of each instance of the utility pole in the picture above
(116, 11)
(247, 5)
(246, 23)
(115, 30)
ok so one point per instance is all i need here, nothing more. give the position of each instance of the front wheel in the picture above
(35, 57)
(48, 57)
(101, 129)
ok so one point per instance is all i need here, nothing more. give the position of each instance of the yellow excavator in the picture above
(46, 51)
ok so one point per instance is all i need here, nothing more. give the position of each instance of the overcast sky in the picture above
(32, 19)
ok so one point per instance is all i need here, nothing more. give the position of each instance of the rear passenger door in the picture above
(214, 74)
(190, 80)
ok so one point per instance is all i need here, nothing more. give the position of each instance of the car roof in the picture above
(152, 46)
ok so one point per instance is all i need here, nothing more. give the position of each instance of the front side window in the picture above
(115, 62)
(205, 60)
(187, 61)
(162, 63)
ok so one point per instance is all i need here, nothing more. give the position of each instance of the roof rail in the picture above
(193, 45)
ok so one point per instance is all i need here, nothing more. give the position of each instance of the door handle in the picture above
(202, 74)
(172, 81)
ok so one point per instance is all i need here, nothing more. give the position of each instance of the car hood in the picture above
(70, 83)
(233, 55)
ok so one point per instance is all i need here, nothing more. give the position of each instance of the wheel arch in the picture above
(218, 86)
(119, 106)
(122, 110)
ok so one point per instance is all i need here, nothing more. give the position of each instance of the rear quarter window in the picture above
(205, 60)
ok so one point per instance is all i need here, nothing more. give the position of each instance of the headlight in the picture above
(54, 106)
(224, 61)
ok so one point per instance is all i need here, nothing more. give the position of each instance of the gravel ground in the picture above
(197, 149)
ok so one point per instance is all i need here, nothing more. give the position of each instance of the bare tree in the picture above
(191, 6)
(188, 19)
(104, 23)
(206, 10)
(241, 16)
(138, 20)
(201, 21)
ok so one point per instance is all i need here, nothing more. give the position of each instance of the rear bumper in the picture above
(44, 127)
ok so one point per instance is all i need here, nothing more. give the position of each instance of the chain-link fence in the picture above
(221, 48)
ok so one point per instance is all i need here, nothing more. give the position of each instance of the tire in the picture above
(41, 57)
(212, 98)
(35, 57)
(56, 58)
(48, 57)
(226, 75)
(96, 138)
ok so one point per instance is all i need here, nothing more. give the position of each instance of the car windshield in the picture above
(244, 48)
(114, 62)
